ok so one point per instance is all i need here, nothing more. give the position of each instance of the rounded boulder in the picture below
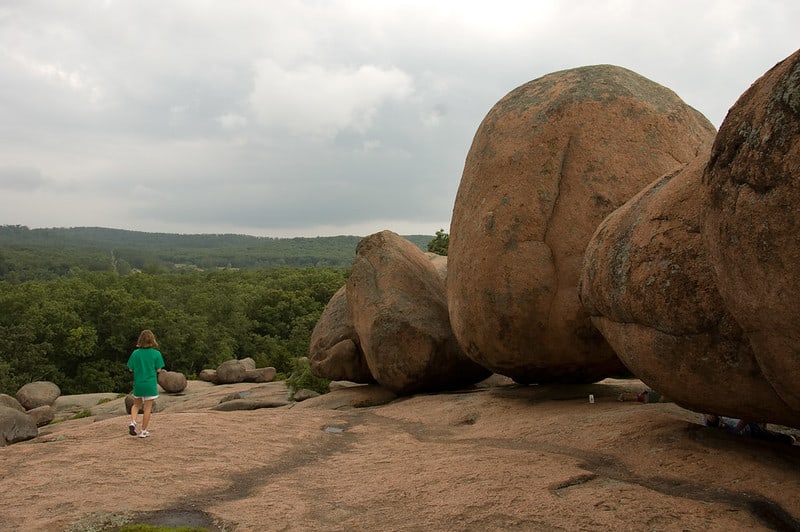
(172, 381)
(231, 372)
(649, 287)
(39, 393)
(753, 221)
(16, 426)
(398, 304)
(547, 164)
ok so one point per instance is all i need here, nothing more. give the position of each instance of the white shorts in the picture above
(146, 397)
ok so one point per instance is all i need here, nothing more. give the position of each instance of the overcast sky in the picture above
(315, 118)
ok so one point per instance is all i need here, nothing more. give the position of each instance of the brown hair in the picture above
(147, 339)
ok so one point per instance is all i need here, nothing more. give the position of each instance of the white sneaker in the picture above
(144, 434)
(132, 428)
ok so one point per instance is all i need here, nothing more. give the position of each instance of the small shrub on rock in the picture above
(302, 377)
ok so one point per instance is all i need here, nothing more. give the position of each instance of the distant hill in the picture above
(95, 248)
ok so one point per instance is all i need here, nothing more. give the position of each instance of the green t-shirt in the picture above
(145, 363)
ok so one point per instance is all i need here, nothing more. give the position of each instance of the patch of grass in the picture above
(82, 414)
(150, 528)
(128, 522)
(104, 400)
(99, 521)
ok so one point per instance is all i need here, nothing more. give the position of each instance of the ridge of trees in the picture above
(27, 254)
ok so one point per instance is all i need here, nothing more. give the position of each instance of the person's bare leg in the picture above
(148, 407)
(137, 404)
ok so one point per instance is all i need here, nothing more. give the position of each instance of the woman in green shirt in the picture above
(146, 363)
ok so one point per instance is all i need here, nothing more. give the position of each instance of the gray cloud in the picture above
(304, 117)
(21, 178)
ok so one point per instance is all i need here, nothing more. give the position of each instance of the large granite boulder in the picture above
(334, 352)
(753, 221)
(16, 426)
(650, 289)
(397, 301)
(39, 393)
(548, 163)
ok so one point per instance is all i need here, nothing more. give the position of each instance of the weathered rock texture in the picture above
(266, 374)
(334, 352)
(38, 393)
(42, 415)
(231, 372)
(208, 375)
(548, 163)
(172, 381)
(397, 302)
(440, 263)
(752, 224)
(254, 399)
(649, 287)
(16, 426)
(11, 402)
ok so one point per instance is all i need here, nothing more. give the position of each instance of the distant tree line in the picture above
(28, 254)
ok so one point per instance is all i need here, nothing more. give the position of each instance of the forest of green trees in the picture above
(71, 315)
(27, 254)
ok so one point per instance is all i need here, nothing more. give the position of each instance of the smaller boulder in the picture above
(7, 400)
(42, 415)
(231, 372)
(208, 375)
(260, 374)
(271, 395)
(38, 393)
(303, 394)
(346, 395)
(248, 363)
(16, 426)
(172, 381)
(248, 404)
